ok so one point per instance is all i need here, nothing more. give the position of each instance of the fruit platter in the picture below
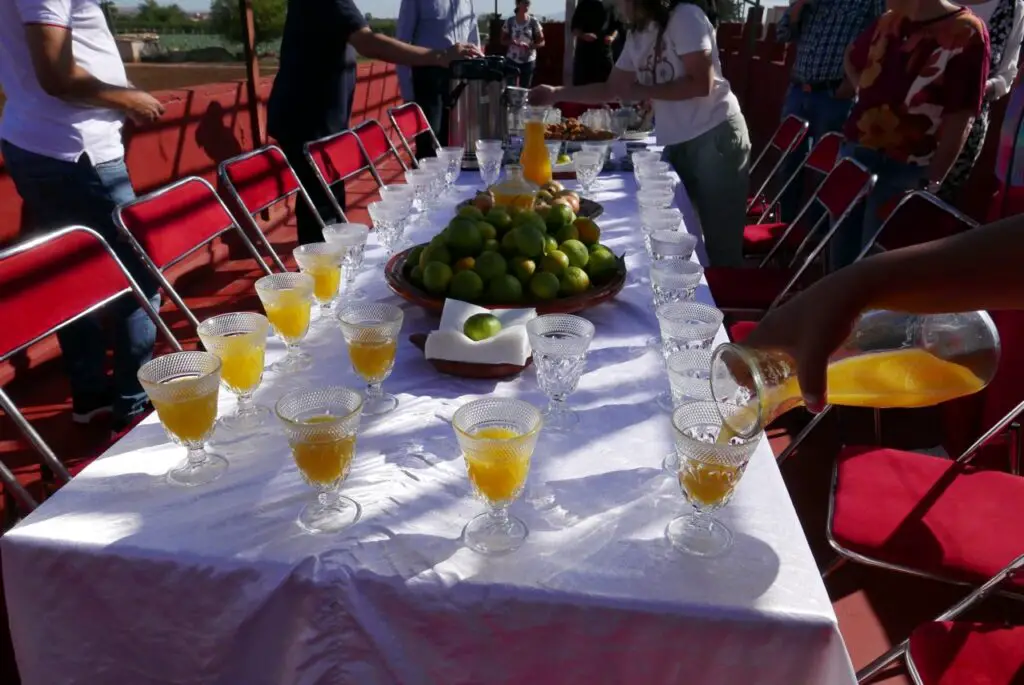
(549, 195)
(545, 257)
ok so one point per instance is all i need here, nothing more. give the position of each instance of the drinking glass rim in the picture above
(396, 314)
(270, 281)
(713, 312)
(684, 236)
(386, 206)
(530, 325)
(743, 451)
(489, 144)
(213, 320)
(678, 267)
(538, 422)
(583, 154)
(315, 249)
(335, 420)
(196, 377)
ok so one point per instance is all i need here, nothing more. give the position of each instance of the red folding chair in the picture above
(821, 160)
(171, 223)
(746, 290)
(409, 121)
(918, 217)
(47, 283)
(337, 158)
(377, 146)
(787, 138)
(947, 652)
(260, 179)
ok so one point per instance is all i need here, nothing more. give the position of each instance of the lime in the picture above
(413, 258)
(490, 265)
(481, 327)
(487, 232)
(467, 286)
(464, 264)
(574, 281)
(463, 237)
(545, 286)
(508, 244)
(555, 262)
(564, 159)
(559, 216)
(529, 218)
(577, 252)
(416, 275)
(529, 241)
(523, 269)
(589, 233)
(550, 244)
(491, 245)
(434, 253)
(505, 288)
(436, 277)
(602, 265)
(499, 218)
(471, 212)
(439, 240)
(567, 233)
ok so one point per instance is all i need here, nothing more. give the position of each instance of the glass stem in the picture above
(556, 405)
(499, 516)
(327, 498)
(373, 390)
(196, 455)
(701, 520)
(245, 404)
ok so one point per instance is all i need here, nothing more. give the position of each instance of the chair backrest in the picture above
(377, 145)
(409, 121)
(821, 159)
(338, 157)
(916, 218)
(790, 133)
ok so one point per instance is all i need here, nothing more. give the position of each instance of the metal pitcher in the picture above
(478, 106)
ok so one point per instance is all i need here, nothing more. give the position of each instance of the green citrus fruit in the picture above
(574, 281)
(481, 327)
(463, 236)
(466, 286)
(439, 240)
(413, 258)
(529, 241)
(550, 244)
(505, 289)
(577, 252)
(464, 264)
(589, 233)
(499, 218)
(435, 253)
(508, 244)
(487, 231)
(602, 265)
(490, 265)
(416, 275)
(545, 286)
(523, 269)
(567, 233)
(531, 219)
(471, 212)
(491, 245)
(555, 262)
(559, 216)
(436, 277)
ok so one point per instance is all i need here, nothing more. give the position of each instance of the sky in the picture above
(389, 8)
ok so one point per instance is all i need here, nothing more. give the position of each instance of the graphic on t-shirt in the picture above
(656, 69)
(521, 33)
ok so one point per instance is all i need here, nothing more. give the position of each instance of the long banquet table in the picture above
(123, 578)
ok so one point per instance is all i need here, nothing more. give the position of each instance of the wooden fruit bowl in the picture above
(394, 274)
(467, 369)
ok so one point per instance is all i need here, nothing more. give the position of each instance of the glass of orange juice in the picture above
(321, 429)
(322, 261)
(183, 388)
(497, 436)
(240, 342)
(711, 462)
(371, 331)
(288, 299)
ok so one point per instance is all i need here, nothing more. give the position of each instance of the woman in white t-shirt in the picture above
(671, 58)
(523, 35)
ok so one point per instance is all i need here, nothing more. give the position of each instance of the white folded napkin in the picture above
(510, 346)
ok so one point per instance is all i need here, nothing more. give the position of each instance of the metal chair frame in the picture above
(367, 166)
(250, 212)
(784, 153)
(392, 111)
(49, 458)
(910, 197)
(796, 174)
(392, 150)
(156, 271)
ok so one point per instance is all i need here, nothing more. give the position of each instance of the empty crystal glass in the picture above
(687, 326)
(711, 463)
(497, 436)
(651, 170)
(321, 428)
(438, 169)
(371, 332)
(675, 281)
(689, 376)
(554, 150)
(287, 299)
(422, 181)
(602, 148)
(240, 342)
(658, 198)
(388, 222)
(489, 156)
(658, 219)
(352, 238)
(641, 157)
(322, 261)
(672, 245)
(452, 156)
(587, 166)
(403, 194)
(668, 183)
(560, 343)
(183, 388)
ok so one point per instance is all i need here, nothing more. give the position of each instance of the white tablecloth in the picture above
(123, 578)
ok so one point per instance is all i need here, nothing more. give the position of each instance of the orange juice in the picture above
(524, 201)
(534, 159)
(189, 419)
(289, 314)
(324, 461)
(372, 359)
(708, 484)
(326, 280)
(497, 470)
(241, 363)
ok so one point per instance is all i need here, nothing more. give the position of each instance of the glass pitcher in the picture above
(534, 159)
(515, 191)
(890, 360)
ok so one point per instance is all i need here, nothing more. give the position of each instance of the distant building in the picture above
(773, 14)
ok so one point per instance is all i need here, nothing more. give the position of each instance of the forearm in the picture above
(387, 49)
(590, 94)
(685, 88)
(82, 88)
(952, 137)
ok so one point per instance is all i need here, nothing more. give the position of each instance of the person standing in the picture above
(523, 35)
(1005, 22)
(671, 58)
(60, 135)
(438, 25)
(819, 92)
(315, 83)
(911, 117)
(595, 28)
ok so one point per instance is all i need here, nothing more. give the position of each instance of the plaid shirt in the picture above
(825, 28)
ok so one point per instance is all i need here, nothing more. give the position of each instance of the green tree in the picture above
(732, 10)
(268, 19)
(151, 13)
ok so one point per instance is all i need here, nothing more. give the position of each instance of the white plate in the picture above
(635, 135)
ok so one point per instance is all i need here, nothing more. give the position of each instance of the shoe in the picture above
(86, 408)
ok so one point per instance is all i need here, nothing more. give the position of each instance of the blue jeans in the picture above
(894, 179)
(824, 113)
(59, 193)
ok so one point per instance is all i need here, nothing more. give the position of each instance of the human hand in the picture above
(460, 51)
(141, 107)
(588, 37)
(544, 95)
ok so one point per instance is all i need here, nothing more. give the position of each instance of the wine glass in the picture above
(452, 156)
(603, 148)
(489, 157)
(240, 342)
(689, 377)
(421, 181)
(641, 157)
(651, 170)
(352, 239)
(388, 220)
(287, 299)
(711, 463)
(321, 428)
(554, 151)
(371, 332)
(497, 436)
(322, 261)
(438, 170)
(587, 166)
(560, 343)
(183, 388)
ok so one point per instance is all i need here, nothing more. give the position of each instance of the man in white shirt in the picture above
(60, 136)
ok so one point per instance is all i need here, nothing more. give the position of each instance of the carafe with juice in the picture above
(515, 191)
(890, 360)
(534, 159)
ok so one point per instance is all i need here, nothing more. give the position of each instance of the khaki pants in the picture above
(715, 168)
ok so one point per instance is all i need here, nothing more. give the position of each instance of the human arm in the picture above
(387, 49)
(1003, 75)
(538, 39)
(506, 34)
(953, 134)
(978, 269)
(788, 28)
(617, 87)
(697, 82)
